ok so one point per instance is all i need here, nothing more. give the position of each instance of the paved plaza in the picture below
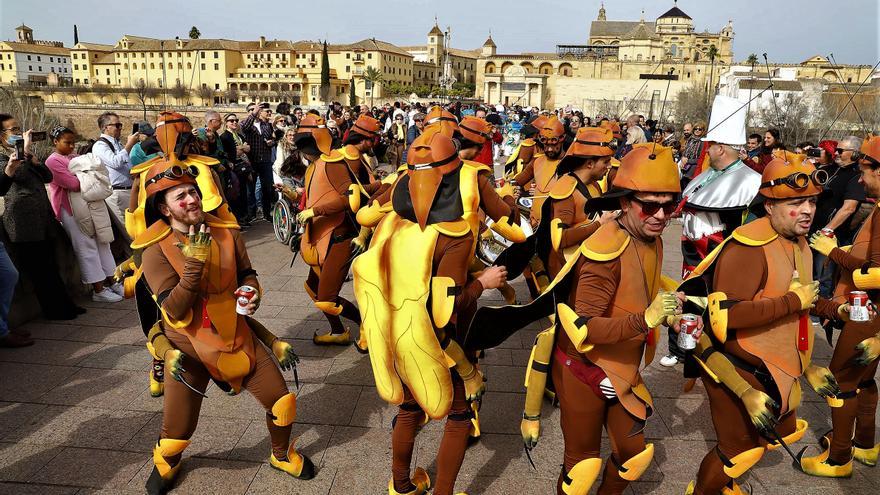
(76, 416)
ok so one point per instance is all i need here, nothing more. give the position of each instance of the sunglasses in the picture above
(231, 120)
(651, 208)
(175, 172)
(117, 125)
(699, 129)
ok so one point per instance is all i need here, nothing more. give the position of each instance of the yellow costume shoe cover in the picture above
(868, 457)
(296, 464)
(392, 282)
(800, 429)
(580, 479)
(420, 479)
(343, 338)
(163, 475)
(361, 345)
(819, 466)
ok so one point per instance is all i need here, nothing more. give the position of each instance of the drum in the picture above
(489, 249)
(525, 205)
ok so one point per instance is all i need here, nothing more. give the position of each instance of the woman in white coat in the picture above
(77, 201)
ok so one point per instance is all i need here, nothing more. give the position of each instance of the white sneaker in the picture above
(668, 361)
(118, 289)
(107, 296)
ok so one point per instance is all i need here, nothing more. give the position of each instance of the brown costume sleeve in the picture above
(246, 273)
(563, 209)
(451, 259)
(383, 194)
(742, 285)
(850, 262)
(372, 188)
(338, 175)
(527, 175)
(175, 295)
(492, 204)
(596, 285)
(508, 199)
(825, 308)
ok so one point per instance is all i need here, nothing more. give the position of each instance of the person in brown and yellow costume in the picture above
(335, 187)
(610, 305)
(173, 133)
(541, 172)
(760, 296)
(411, 286)
(565, 223)
(196, 267)
(527, 150)
(854, 362)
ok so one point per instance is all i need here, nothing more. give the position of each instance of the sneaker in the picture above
(669, 361)
(118, 288)
(107, 296)
(15, 340)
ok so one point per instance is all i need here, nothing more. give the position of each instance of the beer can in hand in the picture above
(245, 294)
(687, 340)
(858, 306)
(827, 232)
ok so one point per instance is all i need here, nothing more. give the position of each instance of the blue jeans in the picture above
(8, 279)
(823, 272)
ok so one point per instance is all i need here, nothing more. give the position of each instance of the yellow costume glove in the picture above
(531, 431)
(305, 215)
(664, 304)
(759, 407)
(283, 351)
(843, 312)
(198, 245)
(822, 243)
(474, 385)
(174, 363)
(808, 294)
(290, 193)
(822, 381)
(123, 269)
(870, 349)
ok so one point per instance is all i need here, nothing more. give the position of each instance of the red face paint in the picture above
(792, 213)
(182, 205)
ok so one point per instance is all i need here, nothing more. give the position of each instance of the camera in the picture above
(814, 152)
(38, 136)
(19, 147)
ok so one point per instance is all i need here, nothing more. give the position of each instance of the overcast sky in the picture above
(788, 30)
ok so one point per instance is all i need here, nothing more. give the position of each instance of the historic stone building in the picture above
(35, 62)
(624, 66)
(429, 60)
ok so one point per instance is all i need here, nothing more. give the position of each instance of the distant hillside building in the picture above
(34, 62)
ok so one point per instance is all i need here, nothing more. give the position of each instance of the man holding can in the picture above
(761, 292)
(854, 362)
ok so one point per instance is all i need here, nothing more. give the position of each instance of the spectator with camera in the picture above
(115, 156)
(27, 220)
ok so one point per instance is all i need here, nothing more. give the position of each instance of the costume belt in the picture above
(761, 373)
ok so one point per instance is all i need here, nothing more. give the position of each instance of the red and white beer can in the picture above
(500, 182)
(827, 232)
(245, 294)
(687, 332)
(858, 306)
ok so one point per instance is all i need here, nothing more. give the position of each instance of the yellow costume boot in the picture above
(296, 464)
(332, 338)
(420, 480)
(821, 465)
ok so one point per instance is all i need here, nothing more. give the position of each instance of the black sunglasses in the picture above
(232, 120)
(699, 129)
(651, 208)
(117, 125)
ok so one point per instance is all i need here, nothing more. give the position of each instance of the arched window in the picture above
(490, 69)
(565, 70)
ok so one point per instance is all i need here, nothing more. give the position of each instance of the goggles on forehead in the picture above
(799, 180)
(550, 140)
(416, 167)
(610, 144)
(175, 172)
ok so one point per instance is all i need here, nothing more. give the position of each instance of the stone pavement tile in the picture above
(664, 486)
(268, 311)
(818, 415)
(271, 481)
(55, 352)
(306, 348)
(371, 411)
(775, 471)
(500, 357)
(145, 402)
(294, 283)
(97, 388)
(214, 437)
(120, 357)
(326, 404)
(18, 462)
(501, 412)
(311, 440)
(200, 475)
(127, 333)
(91, 468)
(677, 460)
(242, 406)
(310, 369)
(81, 427)
(520, 357)
(520, 485)
(347, 371)
(354, 447)
(104, 317)
(505, 378)
(669, 382)
(15, 414)
(289, 328)
(33, 489)
(687, 418)
(25, 382)
(365, 478)
(273, 282)
(48, 330)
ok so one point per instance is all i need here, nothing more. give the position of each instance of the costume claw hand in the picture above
(822, 243)
(869, 349)
(198, 245)
(305, 215)
(822, 381)
(358, 246)
(760, 409)
(808, 294)
(664, 304)
(531, 431)
(174, 364)
(474, 385)
(287, 359)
